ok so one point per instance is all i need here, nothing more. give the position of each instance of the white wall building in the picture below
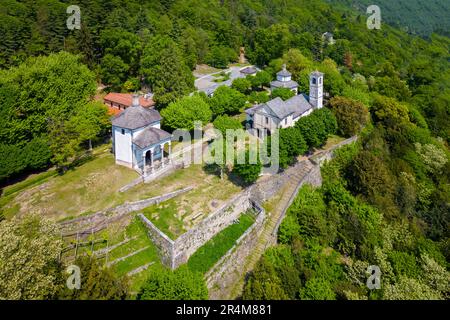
(277, 114)
(138, 141)
(284, 80)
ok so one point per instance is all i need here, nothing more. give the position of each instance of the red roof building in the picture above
(117, 102)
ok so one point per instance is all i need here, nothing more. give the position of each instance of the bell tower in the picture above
(316, 89)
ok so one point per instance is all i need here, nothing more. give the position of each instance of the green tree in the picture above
(222, 123)
(310, 213)
(37, 153)
(317, 288)
(291, 145)
(264, 284)
(220, 57)
(97, 283)
(316, 127)
(249, 172)
(392, 86)
(389, 112)
(243, 85)
(369, 175)
(90, 122)
(165, 70)
(39, 94)
(11, 161)
(226, 101)
(113, 71)
(283, 93)
(179, 284)
(433, 157)
(404, 264)
(182, 113)
(122, 44)
(351, 115)
(260, 80)
(258, 97)
(40, 89)
(29, 252)
(270, 43)
(410, 289)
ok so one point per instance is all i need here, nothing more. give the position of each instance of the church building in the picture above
(138, 141)
(284, 80)
(264, 118)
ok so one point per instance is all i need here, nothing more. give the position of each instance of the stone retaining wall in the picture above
(99, 220)
(176, 252)
(221, 272)
(164, 244)
(189, 242)
(173, 253)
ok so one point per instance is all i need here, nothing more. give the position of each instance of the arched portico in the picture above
(156, 157)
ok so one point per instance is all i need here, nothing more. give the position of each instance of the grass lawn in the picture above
(221, 77)
(9, 192)
(165, 217)
(207, 255)
(85, 189)
(332, 141)
(94, 186)
(138, 232)
(179, 214)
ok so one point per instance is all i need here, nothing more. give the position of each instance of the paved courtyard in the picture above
(206, 83)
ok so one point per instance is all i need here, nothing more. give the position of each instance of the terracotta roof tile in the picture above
(113, 111)
(126, 99)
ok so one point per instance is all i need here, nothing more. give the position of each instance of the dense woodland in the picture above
(384, 201)
(421, 17)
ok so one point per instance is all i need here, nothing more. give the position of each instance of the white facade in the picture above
(138, 141)
(316, 89)
(130, 155)
(122, 146)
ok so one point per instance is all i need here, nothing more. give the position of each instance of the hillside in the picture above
(421, 17)
(384, 200)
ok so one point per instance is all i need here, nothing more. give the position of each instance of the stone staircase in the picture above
(268, 235)
(296, 176)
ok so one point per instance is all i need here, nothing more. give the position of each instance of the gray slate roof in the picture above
(284, 84)
(297, 105)
(249, 70)
(300, 104)
(150, 136)
(317, 73)
(284, 73)
(252, 110)
(136, 117)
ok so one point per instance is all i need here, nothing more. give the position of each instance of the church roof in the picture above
(284, 72)
(297, 105)
(136, 117)
(284, 84)
(317, 73)
(249, 70)
(150, 136)
(252, 110)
